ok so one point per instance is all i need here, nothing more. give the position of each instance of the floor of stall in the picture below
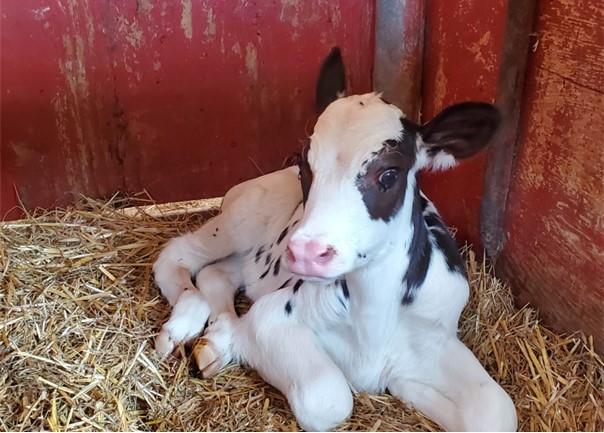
(79, 312)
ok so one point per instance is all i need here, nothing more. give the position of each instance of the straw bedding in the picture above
(79, 311)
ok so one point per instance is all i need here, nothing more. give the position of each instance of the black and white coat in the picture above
(356, 282)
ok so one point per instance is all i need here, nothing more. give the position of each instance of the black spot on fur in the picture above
(432, 220)
(282, 235)
(297, 285)
(305, 174)
(361, 256)
(277, 266)
(345, 290)
(420, 252)
(447, 245)
(444, 241)
(259, 254)
(214, 235)
(285, 283)
(423, 201)
(288, 308)
(265, 273)
(397, 154)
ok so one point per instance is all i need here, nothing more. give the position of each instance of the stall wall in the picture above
(554, 224)
(554, 256)
(181, 98)
(462, 52)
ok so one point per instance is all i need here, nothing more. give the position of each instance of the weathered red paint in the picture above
(461, 61)
(554, 256)
(181, 98)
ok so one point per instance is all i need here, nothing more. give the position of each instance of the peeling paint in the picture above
(236, 48)
(40, 13)
(251, 61)
(440, 88)
(210, 30)
(286, 15)
(186, 19)
(477, 49)
(73, 67)
(146, 6)
(131, 31)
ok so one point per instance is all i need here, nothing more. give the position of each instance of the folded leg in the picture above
(286, 353)
(449, 385)
(216, 287)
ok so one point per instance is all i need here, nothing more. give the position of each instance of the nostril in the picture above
(326, 253)
(325, 256)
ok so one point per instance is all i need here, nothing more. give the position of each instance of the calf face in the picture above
(359, 171)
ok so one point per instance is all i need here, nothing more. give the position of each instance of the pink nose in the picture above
(309, 257)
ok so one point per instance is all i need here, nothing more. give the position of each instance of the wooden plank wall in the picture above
(554, 255)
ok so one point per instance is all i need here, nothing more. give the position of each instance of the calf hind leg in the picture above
(454, 390)
(185, 255)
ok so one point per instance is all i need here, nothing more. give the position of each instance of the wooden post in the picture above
(519, 26)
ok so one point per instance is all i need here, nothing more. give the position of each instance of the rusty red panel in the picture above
(461, 61)
(554, 256)
(181, 98)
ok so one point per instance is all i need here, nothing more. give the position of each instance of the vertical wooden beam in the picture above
(519, 26)
(399, 45)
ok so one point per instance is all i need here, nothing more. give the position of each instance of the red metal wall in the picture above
(461, 62)
(554, 256)
(182, 98)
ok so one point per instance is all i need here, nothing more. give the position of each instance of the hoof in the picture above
(208, 358)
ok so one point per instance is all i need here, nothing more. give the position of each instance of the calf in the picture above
(356, 281)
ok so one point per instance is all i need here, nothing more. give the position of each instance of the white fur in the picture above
(328, 344)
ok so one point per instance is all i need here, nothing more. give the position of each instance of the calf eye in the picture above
(387, 179)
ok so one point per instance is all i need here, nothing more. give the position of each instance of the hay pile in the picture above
(78, 313)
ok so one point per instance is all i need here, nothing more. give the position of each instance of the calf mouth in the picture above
(316, 278)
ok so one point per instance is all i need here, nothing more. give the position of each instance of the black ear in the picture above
(460, 130)
(332, 80)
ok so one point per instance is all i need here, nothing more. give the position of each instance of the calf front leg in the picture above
(450, 386)
(285, 352)
(216, 286)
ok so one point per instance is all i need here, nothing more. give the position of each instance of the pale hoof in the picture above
(208, 358)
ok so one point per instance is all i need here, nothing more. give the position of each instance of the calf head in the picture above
(359, 171)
